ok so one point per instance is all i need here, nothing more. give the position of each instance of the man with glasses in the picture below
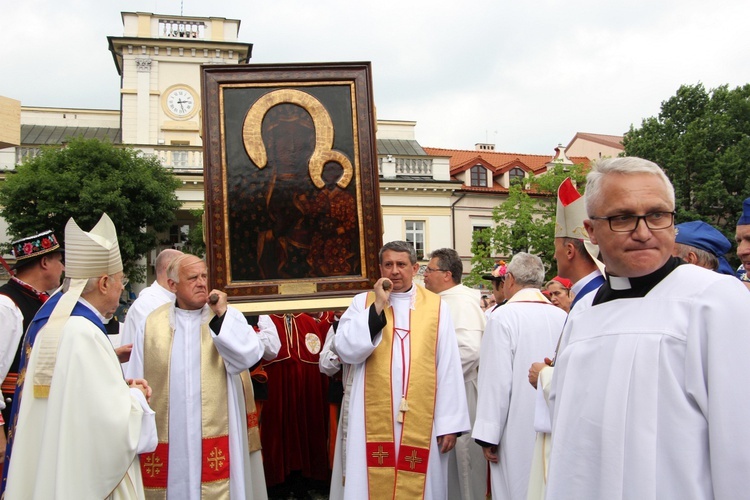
(645, 400)
(80, 425)
(467, 473)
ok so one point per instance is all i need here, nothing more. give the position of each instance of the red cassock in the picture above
(295, 416)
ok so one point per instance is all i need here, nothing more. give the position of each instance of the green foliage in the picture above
(195, 243)
(524, 222)
(702, 141)
(84, 179)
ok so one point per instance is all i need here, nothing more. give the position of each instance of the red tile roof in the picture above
(497, 162)
(461, 160)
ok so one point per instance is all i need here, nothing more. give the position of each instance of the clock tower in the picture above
(158, 59)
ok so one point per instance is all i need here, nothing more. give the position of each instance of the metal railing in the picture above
(181, 29)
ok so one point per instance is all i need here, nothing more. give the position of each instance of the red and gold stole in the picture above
(402, 476)
(157, 347)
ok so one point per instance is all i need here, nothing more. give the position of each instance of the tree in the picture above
(195, 243)
(702, 141)
(83, 179)
(524, 222)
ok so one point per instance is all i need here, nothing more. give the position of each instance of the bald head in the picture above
(162, 262)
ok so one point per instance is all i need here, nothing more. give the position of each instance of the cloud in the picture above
(525, 75)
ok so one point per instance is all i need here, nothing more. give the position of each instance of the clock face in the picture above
(180, 103)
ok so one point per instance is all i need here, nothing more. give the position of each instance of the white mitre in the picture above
(92, 254)
(569, 217)
(87, 255)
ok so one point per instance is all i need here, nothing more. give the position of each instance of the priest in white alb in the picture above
(467, 468)
(649, 395)
(407, 402)
(80, 425)
(198, 351)
(524, 330)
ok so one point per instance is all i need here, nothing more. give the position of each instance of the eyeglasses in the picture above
(428, 270)
(124, 281)
(628, 223)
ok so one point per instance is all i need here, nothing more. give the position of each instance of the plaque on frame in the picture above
(292, 216)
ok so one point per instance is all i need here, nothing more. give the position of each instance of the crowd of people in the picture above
(619, 378)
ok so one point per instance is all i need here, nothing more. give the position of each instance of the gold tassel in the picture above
(403, 408)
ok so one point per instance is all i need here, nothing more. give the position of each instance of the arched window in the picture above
(478, 176)
(515, 175)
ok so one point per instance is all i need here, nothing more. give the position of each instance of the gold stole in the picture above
(402, 476)
(157, 347)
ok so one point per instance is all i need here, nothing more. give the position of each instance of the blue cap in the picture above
(745, 217)
(698, 234)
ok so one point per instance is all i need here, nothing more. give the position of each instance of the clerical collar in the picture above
(408, 294)
(94, 310)
(617, 287)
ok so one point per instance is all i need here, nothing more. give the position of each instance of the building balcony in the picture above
(179, 158)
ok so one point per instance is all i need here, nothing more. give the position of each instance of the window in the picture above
(178, 235)
(415, 236)
(478, 176)
(515, 175)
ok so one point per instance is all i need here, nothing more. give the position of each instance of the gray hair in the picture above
(91, 284)
(627, 165)
(705, 259)
(448, 259)
(527, 270)
(399, 246)
(173, 269)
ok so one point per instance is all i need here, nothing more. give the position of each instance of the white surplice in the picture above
(354, 345)
(649, 395)
(519, 333)
(542, 415)
(467, 468)
(135, 319)
(241, 348)
(10, 337)
(82, 441)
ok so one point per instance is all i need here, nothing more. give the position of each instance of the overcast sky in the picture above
(524, 75)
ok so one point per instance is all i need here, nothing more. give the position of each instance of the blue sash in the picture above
(41, 318)
(588, 288)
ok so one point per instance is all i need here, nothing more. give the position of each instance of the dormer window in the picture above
(515, 176)
(478, 176)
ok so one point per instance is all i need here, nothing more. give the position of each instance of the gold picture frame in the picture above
(293, 219)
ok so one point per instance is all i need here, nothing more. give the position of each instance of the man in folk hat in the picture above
(38, 269)
(496, 276)
(703, 245)
(80, 425)
(743, 243)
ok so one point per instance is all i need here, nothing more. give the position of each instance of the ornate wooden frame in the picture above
(246, 203)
